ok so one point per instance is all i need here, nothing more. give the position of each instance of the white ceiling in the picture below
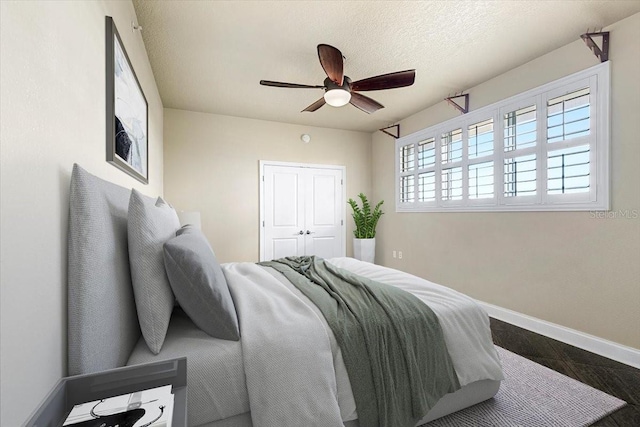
(209, 56)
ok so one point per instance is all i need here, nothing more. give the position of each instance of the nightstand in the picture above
(70, 391)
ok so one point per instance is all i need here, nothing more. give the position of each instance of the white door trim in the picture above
(263, 163)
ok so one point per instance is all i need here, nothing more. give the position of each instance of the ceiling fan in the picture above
(340, 90)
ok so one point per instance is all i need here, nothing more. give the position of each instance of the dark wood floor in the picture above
(599, 372)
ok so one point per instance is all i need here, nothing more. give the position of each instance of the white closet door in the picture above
(302, 211)
(284, 215)
(323, 213)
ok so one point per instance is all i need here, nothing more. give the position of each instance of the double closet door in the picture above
(302, 211)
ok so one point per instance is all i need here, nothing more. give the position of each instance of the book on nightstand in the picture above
(146, 408)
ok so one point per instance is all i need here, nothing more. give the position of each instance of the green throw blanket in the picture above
(392, 344)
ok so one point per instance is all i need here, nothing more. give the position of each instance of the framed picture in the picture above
(127, 111)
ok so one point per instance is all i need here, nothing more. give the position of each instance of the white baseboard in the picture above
(618, 352)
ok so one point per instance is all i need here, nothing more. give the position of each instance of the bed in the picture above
(277, 373)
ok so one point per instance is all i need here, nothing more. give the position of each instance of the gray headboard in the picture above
(102, 321)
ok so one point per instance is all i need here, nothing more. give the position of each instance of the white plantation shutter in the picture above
(407, 189)
(481, 137)
(568, 170)
(520, 128)
(481, 181)
(451, 179)
(568, 116)
(520, 176)
(545, 149)
(480, 166)
(451, 146)
(452, 183)
(520, 146)
(571, 141)
(407, 166)
(407, 158)
(427, 187)
(426, 170)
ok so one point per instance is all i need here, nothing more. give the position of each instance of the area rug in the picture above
(534, 395)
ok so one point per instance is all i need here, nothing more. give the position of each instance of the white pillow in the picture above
(150, 224)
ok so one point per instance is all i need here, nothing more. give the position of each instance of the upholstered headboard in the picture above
(102, 321)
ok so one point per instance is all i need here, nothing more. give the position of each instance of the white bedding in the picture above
(302, 381)
(292, 383)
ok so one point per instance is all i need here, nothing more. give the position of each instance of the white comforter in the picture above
(302, 380)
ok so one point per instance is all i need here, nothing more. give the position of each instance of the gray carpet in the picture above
(533, 395)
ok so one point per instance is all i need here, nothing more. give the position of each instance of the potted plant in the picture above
(366, 219)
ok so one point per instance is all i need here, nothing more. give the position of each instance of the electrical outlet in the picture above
(399, 254)
(394, 254)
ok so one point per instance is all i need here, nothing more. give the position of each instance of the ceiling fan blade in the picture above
(288, 85)
(313, 107)
(332, 63)
(365, 103)
(386, 81)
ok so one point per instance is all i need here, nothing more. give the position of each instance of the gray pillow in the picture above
(199, 284)
(150, 224)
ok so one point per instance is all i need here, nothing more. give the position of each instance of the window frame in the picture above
(598, 140)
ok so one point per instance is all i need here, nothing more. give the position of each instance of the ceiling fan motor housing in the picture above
(330, 84)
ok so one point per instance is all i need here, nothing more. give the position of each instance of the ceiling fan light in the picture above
(337, 97)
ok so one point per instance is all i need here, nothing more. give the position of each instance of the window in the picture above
(545, 149)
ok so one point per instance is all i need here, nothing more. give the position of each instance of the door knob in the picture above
(310, 232)
(301, 232)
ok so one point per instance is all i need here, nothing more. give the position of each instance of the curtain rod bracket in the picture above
(463, 110)
(397, 128)
(601, 53)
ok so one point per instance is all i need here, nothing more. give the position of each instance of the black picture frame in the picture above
(127, 110)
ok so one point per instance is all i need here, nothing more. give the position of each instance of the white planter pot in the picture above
(364, 249)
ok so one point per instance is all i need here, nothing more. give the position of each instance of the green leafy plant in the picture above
(365, 218)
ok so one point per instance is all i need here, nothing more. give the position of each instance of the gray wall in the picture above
(52, 103)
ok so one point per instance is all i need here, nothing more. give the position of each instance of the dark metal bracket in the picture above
(458, 107)
(397, 127)
(601, 54)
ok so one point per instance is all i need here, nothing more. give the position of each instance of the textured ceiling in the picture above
(209, 56)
